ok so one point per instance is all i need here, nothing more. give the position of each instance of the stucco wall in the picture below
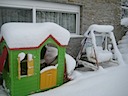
(95, 12)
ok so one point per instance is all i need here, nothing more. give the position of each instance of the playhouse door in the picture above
(3, 59)
(48, 78)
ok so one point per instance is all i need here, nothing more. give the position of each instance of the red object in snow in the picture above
(2, 59)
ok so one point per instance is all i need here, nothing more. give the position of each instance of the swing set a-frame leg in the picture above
(97, 63)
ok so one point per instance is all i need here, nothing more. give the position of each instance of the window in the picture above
(25, 65)
(67, 16)
(66, 20)
(124, 12)
(124, 5)
(15, 15)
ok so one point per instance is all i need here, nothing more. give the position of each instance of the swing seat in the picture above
(101, 55)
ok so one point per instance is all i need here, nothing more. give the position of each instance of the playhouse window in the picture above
(25, 65)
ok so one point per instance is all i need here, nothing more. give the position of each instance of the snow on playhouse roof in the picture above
(26, 35)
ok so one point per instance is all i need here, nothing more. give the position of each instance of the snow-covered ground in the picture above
(108, 82)
(111, 81)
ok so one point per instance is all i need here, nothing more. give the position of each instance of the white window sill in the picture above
(76, 35)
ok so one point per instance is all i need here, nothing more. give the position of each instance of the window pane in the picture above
(66, 20)
(15, 15)
(24, 66)
(124, 13)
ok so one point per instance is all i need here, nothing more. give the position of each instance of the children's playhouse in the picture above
(23, 46)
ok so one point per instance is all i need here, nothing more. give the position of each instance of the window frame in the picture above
(28, 63)
(47, 6)
(124, 8)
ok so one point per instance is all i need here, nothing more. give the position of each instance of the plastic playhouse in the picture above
(99, 46)
(23, 47)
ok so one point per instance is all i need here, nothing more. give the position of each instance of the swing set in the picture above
(98, 46)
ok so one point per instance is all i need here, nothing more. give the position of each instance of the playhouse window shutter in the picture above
(30, 65)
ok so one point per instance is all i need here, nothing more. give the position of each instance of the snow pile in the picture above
(124, 22)
(123, 47)
(21, 56)
(22, 35)
(102, 55)
(49, 68)
(109, 82)
(70, 65)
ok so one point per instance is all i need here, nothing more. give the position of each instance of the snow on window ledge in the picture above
(76, 35)
(124, 22)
